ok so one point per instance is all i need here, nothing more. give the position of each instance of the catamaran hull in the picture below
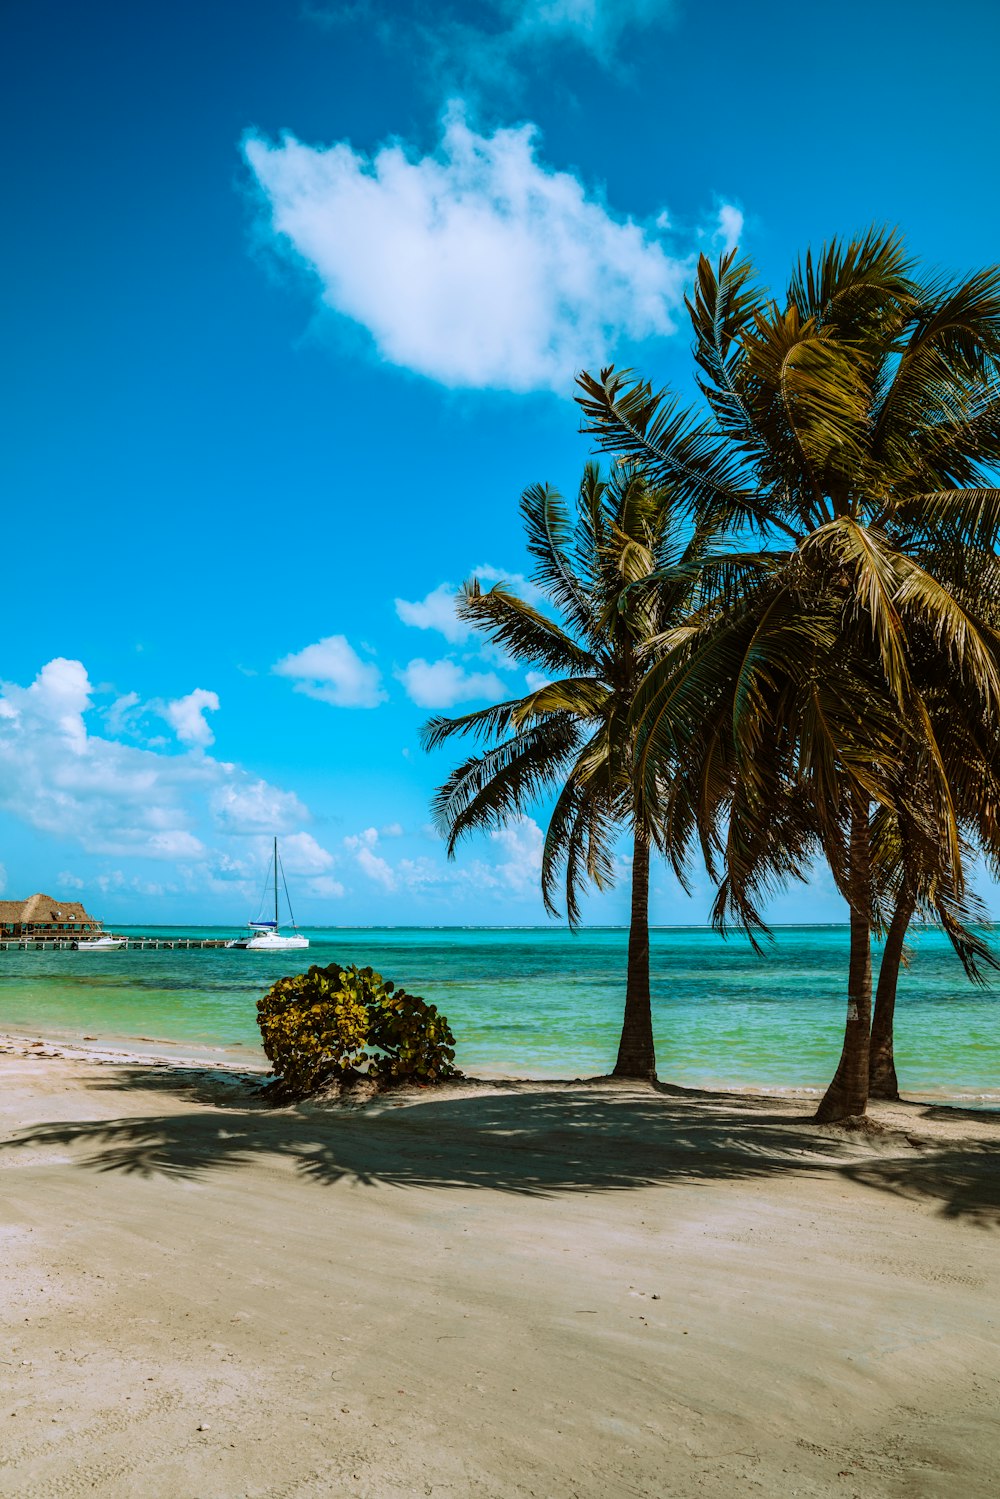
(275, 944)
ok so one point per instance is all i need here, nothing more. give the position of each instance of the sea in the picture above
(538, 1002)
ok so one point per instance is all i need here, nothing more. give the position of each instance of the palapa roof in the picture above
(42, 909)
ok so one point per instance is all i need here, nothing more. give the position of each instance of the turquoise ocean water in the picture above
(541, 1002)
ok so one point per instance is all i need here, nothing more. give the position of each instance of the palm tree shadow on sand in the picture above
(529, 1139)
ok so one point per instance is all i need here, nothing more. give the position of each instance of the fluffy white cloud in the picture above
(730, 225)
(436, 611)
(308, 863)
(441, 684)
(516, 582)
(332, 671)
(477, 265)
(521, 841)
(363, 846)
(186, 716)
(122, 800)
(245, 804)
(535, 681)
(301, 854)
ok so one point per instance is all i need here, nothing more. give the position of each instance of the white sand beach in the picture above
(568, 1291)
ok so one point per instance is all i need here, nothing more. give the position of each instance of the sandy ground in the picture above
(571, 1291)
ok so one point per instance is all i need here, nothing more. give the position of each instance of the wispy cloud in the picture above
(494, 44)
(443, 683)
(512, 872)
(333, 672)
(478, 265)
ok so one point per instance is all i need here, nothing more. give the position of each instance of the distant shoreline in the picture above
(553, 926)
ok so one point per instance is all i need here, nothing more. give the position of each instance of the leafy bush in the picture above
(336, 1022)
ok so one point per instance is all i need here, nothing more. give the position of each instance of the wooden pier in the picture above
(32, 944)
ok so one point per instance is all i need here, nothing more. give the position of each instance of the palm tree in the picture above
(850, 436)
(571, 737)
(909, 876)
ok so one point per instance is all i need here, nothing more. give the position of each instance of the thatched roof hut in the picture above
(43, 915)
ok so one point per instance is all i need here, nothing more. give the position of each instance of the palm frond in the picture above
(490, 789)
(522, 630)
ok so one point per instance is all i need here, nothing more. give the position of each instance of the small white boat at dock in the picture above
(99, 944)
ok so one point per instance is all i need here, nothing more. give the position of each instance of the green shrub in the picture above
(336, 1022)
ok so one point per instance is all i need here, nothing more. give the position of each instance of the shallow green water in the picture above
(544, 1001)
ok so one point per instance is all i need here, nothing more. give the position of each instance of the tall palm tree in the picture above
(571, 738)
(851, 435)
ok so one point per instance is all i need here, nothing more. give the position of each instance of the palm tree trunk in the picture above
(847, 1095)
(636, 1057)
(881, 1059)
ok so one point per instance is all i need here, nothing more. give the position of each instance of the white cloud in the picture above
(186, 716)
(392, 830)
(121, 717)
(516, 582)
(333, 672)
(308, 863)
(477, 266)
(121, 800)
(596, 24)
(363, 846)
(730, 226)
(513, 873)
(521, 841)
(436, 611)
(376, 868)
(535, 681)
(503, 34)
(116, 880)
(301, 854)
(248, 805)
(441, 684)
(174, 844)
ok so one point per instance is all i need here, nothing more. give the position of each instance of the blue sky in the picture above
(293, 300)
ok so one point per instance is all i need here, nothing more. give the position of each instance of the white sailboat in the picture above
(267, 936)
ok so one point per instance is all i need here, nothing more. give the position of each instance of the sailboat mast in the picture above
(275, 884)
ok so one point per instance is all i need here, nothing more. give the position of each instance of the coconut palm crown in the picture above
(571, 739)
